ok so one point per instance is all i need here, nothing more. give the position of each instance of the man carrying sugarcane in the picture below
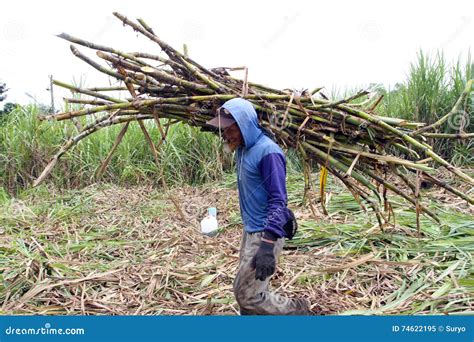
(261, 173)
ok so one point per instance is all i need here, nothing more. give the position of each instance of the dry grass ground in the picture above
(125, 251)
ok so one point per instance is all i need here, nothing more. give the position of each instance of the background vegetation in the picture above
(191, 157)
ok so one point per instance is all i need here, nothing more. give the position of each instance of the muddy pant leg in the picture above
(253, 295)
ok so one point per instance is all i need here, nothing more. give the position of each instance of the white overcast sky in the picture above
(285, 44)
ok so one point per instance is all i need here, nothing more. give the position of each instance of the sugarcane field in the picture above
(167, 182)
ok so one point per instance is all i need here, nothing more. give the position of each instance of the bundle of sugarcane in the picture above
(345, 137)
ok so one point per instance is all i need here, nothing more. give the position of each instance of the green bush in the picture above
(27, 144)
(430, 92)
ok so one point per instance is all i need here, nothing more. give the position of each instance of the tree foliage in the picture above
(3, 90)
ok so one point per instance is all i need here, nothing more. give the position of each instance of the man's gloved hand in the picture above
(264, 260)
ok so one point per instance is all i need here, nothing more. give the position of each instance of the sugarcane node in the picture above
(140, 76)
(147, 70)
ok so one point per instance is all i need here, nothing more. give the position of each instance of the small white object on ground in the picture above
(209, 224)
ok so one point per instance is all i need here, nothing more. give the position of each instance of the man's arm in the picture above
(272, 168)
(273, 171)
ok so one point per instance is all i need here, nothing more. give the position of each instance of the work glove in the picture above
(264, 260)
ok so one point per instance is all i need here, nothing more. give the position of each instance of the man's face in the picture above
(233, 137)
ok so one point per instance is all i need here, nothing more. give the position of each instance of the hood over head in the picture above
(245, 115)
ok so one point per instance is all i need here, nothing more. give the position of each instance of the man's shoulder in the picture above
(266, 146)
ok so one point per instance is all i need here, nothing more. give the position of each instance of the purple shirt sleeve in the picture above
(272, 168)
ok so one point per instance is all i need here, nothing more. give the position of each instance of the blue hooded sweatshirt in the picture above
(261, 173)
